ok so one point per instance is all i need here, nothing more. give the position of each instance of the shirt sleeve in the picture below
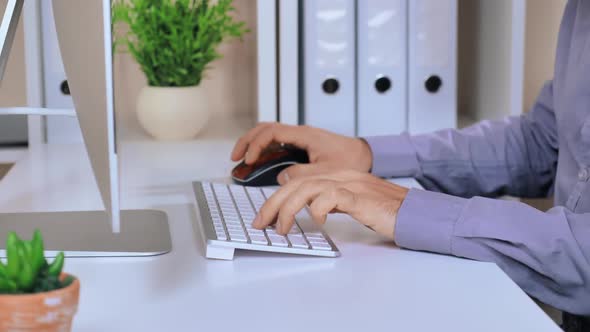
(516, 156)
(546, 253)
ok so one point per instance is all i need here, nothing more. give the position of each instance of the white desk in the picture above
(372, 287)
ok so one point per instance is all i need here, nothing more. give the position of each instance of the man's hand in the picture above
(371, 201)
(327, 152)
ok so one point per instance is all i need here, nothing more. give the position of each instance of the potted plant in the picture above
(35, 295)
(173, 41)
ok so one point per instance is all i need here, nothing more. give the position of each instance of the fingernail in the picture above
(281, 179)
(278, 227)
(286, 177)
(257, 221)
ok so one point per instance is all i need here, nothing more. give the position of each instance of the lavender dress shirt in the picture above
(544, 152)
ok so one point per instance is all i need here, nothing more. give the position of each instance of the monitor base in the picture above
(88, 233)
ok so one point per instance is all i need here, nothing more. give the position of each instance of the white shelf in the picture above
(220, 127)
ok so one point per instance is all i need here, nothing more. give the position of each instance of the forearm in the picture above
(516, 156)
(546, 254)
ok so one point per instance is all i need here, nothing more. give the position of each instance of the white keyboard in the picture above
(227, 213)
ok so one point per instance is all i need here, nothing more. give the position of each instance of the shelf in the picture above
(220, 128)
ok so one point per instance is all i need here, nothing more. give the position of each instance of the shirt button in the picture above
(584, 174)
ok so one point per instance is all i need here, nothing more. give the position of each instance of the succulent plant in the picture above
(27, 271)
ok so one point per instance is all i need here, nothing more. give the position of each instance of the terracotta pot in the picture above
(43, 312)
(173, 113)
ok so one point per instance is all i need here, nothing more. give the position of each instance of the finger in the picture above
(270, 209)
(275, 133)
(242, 144)
(337, 199)
(302, 170)
(267, 213)
(298, 199)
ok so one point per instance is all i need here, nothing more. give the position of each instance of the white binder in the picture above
(382, 67)
(329, 65)
(267, 60)
(288, 61)
(432, 65)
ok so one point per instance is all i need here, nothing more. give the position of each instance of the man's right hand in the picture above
(327, 152)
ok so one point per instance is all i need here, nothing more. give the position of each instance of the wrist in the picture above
(366, 155)
(404, 194)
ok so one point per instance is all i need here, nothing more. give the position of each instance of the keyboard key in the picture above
(315, 236)
(278, 241)
(297, 241)
(230, 213)
(320, 245)
(272, 232)
(221, 236)
(238, 238)
(235, 231)
(268, 192)
(256, 239)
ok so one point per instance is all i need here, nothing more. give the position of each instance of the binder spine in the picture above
(329, 65)
(288, 61)
(432, 65)
(382, 67)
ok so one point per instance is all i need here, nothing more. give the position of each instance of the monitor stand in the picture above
(88, 233)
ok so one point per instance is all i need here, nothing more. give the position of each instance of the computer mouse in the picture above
(264, 172)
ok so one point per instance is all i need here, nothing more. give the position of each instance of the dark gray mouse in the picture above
(265, 170)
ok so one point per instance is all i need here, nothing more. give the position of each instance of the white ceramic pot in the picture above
(170, 113)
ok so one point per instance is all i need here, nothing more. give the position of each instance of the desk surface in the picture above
(372, 287)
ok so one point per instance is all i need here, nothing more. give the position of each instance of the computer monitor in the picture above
(84, 32)
(85, 43)
(8, 30)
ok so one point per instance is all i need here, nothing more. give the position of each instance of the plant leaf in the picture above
(173, 41)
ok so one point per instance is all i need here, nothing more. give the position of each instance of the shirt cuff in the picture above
(426, 221)
(393, 156)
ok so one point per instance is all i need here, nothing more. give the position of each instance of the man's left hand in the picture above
(371, 201)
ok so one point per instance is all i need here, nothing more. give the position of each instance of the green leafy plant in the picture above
(173, 41)
(27, 271)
